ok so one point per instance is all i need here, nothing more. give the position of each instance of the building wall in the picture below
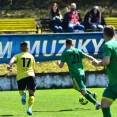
(56, 80)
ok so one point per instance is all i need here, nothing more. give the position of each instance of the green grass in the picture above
(51, 103)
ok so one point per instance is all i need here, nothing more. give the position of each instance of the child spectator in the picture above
(55, 17)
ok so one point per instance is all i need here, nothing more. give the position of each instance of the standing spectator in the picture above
(94, 19)
(72, 19)
(55, 17)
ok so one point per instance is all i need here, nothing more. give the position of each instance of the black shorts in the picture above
(28, 82)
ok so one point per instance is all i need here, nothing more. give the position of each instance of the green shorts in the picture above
(79, 82)
(110, 93)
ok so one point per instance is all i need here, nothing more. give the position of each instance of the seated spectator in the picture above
(93, 19)
(72, 20)
(55, 17)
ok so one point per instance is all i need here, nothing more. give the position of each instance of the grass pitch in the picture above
(51, 103)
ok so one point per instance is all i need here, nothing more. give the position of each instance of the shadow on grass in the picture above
(55, 110)
(76, 109)
(82, 108)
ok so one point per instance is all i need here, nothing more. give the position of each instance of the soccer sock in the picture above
(89, 92)
(92, 94)
(106, 112)
(31, 101)
(90, 98)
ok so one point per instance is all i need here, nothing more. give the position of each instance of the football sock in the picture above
(106, 112)
(30, 101)
(89, 91)
(90, 98)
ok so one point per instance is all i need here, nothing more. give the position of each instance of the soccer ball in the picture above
(83, 100)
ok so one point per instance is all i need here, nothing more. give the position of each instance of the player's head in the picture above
(24, 47)
(69, 43)
(109, 32)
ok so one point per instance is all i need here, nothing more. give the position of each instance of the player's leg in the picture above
(108, 98)
(105, 105)
(78, 82)
(31, 89)
(22, 90)
(91, 93)
(94, 95)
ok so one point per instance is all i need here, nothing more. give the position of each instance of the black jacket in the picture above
(86, 23)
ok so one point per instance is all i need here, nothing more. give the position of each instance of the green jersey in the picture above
(73, 58)
(110, 49)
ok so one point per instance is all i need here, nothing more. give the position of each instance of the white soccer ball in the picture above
(83, 100)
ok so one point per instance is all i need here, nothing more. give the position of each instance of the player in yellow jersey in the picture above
(25, 74)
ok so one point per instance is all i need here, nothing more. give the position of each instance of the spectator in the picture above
(93, 19)
(55, 17)
(72, 19)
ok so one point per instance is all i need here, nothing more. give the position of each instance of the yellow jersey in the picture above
(25, 65)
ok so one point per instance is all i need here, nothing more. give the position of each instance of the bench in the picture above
(18, 25)
(111, 21)
(44, 23)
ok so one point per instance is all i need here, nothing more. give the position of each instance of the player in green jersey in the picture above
(110, 62)
(73, 58)
(25, 74)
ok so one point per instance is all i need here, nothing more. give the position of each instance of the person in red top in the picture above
(72, 19)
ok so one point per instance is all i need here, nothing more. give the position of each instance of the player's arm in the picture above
(106, 57)
(83, 55)
(61, 63)
(89, 57)
(33, 63)
(9, 66)
(104, 62)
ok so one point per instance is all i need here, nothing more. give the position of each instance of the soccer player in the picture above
(110, 62)
(73, 58)
(25, 74)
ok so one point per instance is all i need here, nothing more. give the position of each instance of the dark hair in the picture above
(109, 31)
(95, 15)
(69, 41)
(23, 45)
(57, 11)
